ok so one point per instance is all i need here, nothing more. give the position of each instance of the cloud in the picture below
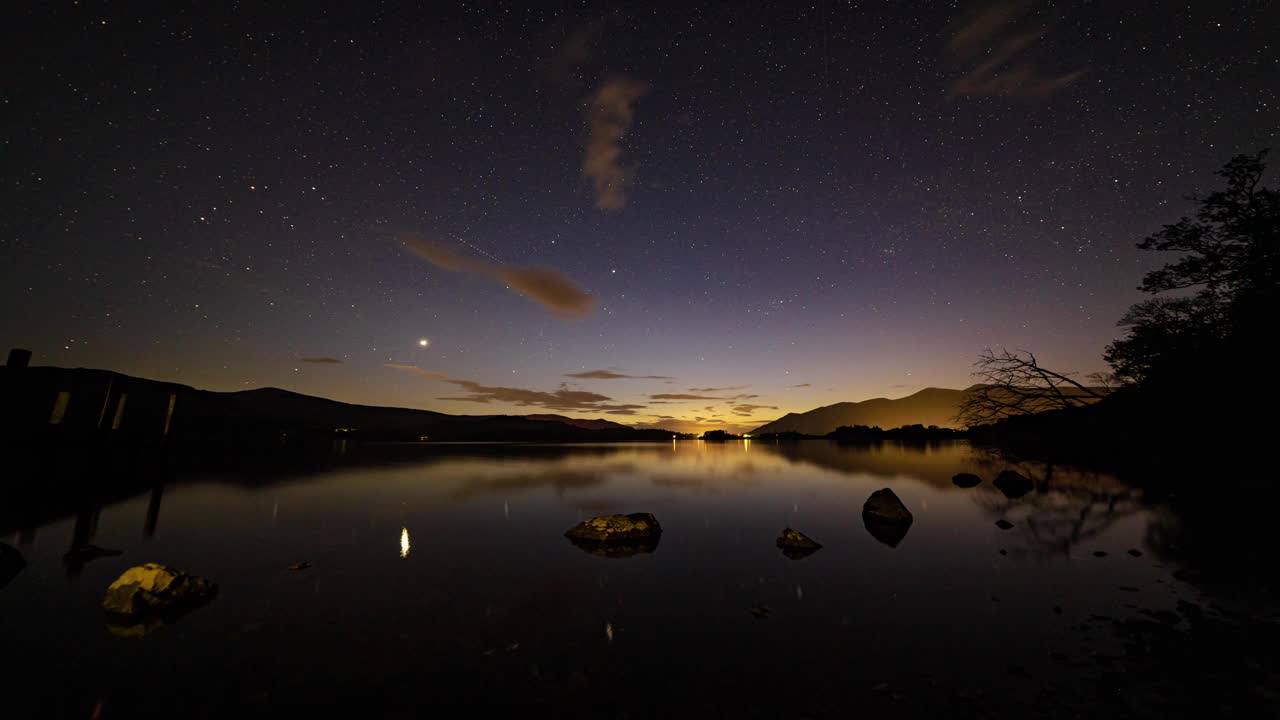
(800, 385)
(695, 425)
(576, 50)
(550, 288)
(1002, 50)
(611, 375)
(681, 396)
(322, 361)
(563, 398)
(747, 409)
(609, 115)
(719, 389)
(415, 370)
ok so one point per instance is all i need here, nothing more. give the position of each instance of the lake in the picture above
(440, 575)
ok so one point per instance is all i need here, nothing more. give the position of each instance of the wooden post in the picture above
(106, 400)
(153, 511)
(168, 418)
(60, 408)
(119, 417)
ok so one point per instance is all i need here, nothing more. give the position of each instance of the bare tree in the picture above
(1014, 383)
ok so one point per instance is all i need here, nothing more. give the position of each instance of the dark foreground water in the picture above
(440, 581)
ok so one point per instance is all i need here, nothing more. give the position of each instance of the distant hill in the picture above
(931, 406)
(87, 401)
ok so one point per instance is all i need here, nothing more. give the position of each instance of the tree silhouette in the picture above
(1231, 257)
(1014, 383)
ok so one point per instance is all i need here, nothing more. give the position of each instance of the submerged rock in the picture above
(150, 591)
(886, 518)
(87, 553)
(966, 480)
(1013, 484)
(797, 545)
(11, 563)
(1003, 524)
(608, 528)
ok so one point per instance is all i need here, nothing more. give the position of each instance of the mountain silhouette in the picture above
(584, 423)
(93, 399)
(931, 406)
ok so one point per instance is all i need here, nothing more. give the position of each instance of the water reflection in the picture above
(11, 563)
(889, 532)
(82, 551)
(520, 614)
(1056, 510)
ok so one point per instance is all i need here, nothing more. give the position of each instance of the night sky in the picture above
(748, 210)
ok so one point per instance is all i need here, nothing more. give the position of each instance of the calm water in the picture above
(444, 576)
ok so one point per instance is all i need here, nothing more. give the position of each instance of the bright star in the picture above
(423, 342)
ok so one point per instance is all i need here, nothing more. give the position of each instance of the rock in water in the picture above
(607, 528)
(797, 545)
(11, 563)
(966, 480)
(616, 536)
(155, 590)
(884, 505)
(1013, 484)
(1003, 524)
(886, 518)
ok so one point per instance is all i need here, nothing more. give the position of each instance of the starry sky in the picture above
(652, 213)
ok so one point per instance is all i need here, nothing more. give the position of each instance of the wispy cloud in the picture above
(571, 53)
(801, 385)
(563, 398)
(322, 360)
(717, 389)
(611, 375)
(1002, 50)
(550, 288)
(682, 396)
(697, 424)
(415, 370)
(610, 113)
(747, 409)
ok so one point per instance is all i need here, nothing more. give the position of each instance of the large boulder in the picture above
(885, 505)
(607, 528)
(616, 536)
(153, 590)
(886, 518)
(797, 545)
(1013, 484)
(966, 480)
(11, 563)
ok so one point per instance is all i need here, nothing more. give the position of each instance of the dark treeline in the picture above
(1190, 380)
(873, 433)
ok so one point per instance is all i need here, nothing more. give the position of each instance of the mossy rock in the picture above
(609, 528)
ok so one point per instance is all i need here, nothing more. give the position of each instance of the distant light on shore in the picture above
(404, 542)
